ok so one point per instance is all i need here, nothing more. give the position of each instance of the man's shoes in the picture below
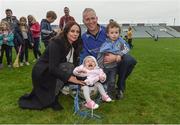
(119, 95)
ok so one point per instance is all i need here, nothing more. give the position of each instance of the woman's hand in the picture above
(102, 78)
(74, 80)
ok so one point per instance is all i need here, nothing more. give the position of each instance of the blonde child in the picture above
(6, 43)
(25, 38)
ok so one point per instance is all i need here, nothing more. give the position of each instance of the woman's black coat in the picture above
(45, 73)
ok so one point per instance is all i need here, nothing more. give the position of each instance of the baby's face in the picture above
(89, 64)
(113, 33)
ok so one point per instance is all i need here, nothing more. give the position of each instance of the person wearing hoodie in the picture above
(92, 75)
(46, 30)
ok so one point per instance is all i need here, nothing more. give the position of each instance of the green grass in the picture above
(152, 91)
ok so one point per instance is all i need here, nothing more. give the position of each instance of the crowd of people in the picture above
(93, 59)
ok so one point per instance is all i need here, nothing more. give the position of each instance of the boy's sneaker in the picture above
(21, 64)
(91, 105)
(106, 98)
(9, 66)
(27, 63)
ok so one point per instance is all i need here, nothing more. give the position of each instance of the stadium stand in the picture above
(148, 31)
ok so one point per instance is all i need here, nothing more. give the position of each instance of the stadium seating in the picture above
(143, 31)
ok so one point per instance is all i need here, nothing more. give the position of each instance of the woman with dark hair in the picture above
(54, 65)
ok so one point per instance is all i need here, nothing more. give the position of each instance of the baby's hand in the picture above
(101, 78)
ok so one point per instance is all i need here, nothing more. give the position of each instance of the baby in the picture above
(93, 76)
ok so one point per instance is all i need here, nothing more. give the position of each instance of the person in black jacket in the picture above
(55, 64)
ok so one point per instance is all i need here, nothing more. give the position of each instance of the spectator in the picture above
(25, 40)
(129, 37)
(6, 43)
(65, 19)
(52, 65)
(46, 30)
(13, 22)
(35, 30)
(92, 41)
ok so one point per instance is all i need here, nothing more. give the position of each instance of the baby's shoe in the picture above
(91, 105)
(106, 98)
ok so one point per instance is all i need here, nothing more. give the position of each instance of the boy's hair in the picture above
(112, 25)
(51, 14)
(8, 10)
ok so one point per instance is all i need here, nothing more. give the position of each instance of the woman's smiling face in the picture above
(73, 34)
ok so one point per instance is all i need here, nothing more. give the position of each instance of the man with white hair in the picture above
(92, 41)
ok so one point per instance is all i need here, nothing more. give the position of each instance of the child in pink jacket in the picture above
(93, 76)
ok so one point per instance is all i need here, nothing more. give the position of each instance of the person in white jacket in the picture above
(92, 75)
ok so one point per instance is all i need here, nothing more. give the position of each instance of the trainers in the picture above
(9, 66)
(91, 105)
(27, 63)
(106, 98)
(21, 64)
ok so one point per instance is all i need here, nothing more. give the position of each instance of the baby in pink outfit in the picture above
(94, 76)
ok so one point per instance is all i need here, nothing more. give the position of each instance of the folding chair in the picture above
(79, 103)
